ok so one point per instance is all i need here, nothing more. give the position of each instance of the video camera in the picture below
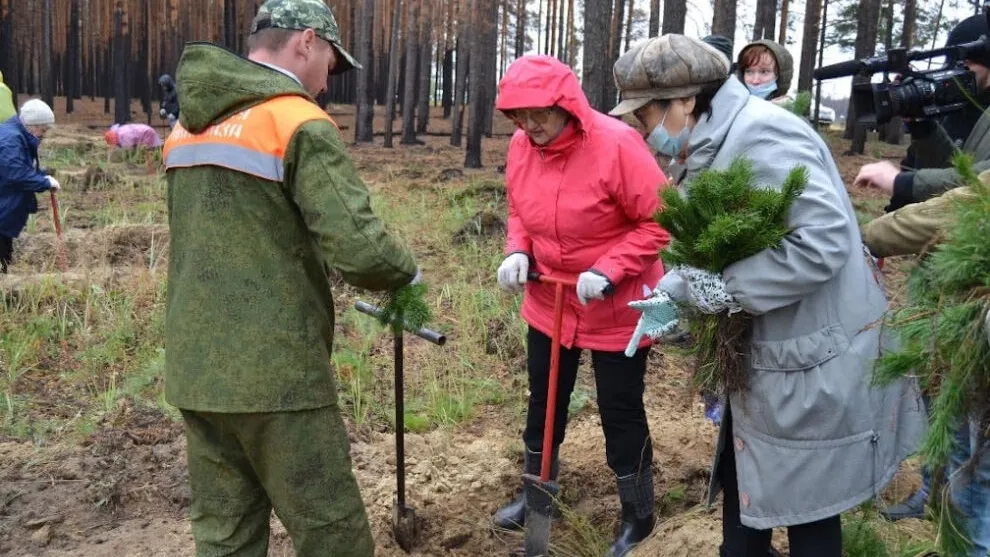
(919, 95)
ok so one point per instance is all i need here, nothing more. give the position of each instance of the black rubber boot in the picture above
(636, 495)
(912, 507)
(512, 516)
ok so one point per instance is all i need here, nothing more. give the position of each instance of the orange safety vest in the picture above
(252, 141)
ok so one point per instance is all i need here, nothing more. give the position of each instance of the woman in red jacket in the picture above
(582, 190)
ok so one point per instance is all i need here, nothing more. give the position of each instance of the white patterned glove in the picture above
(53, 183)
(706, 291)
(513, 271)
(591, 286)
(659, 318)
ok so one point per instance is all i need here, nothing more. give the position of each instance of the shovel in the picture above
(540, 491)
(63, 260)
(403, 516)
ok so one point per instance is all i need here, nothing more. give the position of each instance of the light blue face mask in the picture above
(661, 140)
(762, 91)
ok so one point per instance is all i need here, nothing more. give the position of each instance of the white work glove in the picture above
(418, 278)
(162, 113)
(53, 183)
(513, 272)
(704, 290)
(659, 318)
(591, 285)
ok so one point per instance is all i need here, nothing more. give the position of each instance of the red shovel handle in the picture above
(558, 317)
(55, 215)
(540, 277)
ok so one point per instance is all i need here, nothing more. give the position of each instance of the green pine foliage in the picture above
(406, 304)
(801, 105)
(943, 339)
(721, 218)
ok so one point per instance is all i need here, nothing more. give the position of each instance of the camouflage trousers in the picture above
(243, 466)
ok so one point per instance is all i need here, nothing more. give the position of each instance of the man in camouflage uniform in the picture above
(263, 200)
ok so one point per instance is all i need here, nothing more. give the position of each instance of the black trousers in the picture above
(815, 539)
(619, 381)
(6, 252)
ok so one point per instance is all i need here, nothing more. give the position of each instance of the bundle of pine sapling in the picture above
(721, 217)
(943, 331)
(405, 307)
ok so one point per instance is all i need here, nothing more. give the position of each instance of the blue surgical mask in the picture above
(665, 144)
(762, 91)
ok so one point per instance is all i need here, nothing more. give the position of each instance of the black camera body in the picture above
(919, 95)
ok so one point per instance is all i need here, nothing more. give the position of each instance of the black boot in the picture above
(636, 495)
(512, 516)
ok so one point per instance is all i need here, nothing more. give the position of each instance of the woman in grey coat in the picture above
(811, 437)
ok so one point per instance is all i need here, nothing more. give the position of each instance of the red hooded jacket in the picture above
(584, 201)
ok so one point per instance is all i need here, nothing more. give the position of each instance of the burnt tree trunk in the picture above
(448, 82)
(73, 67)
(520, 28)
(615, 48)
(596, 70)
(766, 20)
(866, 42)
(674, 16)
(412, 83)
(365, 111)
(231, 26)
(393, 73)
(47, 76)
(809, 47)
(655, 18)
(483, 64)
(463, 59)
(425, 71)
(121, 67)
(724, 20)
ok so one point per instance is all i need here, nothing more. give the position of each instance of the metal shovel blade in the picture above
(540, 497)
(404, 526)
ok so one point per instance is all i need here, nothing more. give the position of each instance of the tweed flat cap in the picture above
(667, 67)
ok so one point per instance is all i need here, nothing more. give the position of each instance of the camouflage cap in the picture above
(301, 15)
(666, 67)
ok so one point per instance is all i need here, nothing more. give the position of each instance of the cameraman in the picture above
(927, 167)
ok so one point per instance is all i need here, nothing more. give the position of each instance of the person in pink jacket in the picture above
(129, 136)
(582, 192)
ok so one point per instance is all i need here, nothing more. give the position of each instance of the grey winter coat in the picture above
(812, 437)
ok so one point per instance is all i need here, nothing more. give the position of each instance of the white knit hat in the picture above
(36, 113)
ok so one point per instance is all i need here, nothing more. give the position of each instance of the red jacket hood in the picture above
(543, 81)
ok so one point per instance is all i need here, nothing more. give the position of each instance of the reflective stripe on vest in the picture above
(252, 141)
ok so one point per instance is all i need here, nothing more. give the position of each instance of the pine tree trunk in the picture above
(910, 19)
(655, 18)
(615, 48)
(674, 16)
(425, 71)
(893, 132)
(47, 76)
(483, 65)
(866, 42)
(504, 37)
(809, 48)
(393, 72)
(73, 72)
(562, 31)
(364, 121)
(463, 59)
(121, 68)
(596, 69)
(766, 18)
(9, 64)
(520, 28)
(549, 26)
(784, 9)
(629, 22)
(448, 82)
(412, 83)
(724, 20)
(571, 32)
(231, 25)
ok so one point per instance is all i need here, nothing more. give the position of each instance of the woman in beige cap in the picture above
(811, 437)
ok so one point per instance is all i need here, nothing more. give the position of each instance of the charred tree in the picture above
(766, 20)
(483, 64)
(520, 28)
(393, 73)
(724, 20)
(655, 17)
(614, 49)
(47, 76)
(73, 67)
(447, 99)
(425, 70)
(596, 68)
(812, 23)
(412, 81)
(9, 64)
(674, 16)
(365, 111)
(463, 58)
(121, 66)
